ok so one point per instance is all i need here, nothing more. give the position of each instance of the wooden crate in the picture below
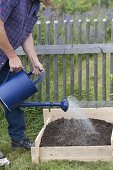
(81, 153)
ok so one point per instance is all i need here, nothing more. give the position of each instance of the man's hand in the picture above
(46, 2)
(37, 67)
(15, 64)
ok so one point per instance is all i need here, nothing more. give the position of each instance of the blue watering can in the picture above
(15, 90)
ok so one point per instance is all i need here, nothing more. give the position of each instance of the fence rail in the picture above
(78, 59)
(71, 49)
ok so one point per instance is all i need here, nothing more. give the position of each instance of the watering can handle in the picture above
(40, 77)
(29, 74)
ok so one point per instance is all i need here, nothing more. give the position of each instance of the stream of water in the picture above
(75, 110)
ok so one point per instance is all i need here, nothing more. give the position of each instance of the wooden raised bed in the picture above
(81, 153)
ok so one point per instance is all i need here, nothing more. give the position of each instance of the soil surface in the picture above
(64, 132)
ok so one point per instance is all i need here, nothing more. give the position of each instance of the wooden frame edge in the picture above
(35, 151)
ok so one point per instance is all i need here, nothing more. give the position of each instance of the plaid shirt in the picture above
(19, 17)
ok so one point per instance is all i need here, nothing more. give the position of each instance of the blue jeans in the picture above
(15, 118)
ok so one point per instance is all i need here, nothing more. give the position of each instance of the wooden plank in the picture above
(95, 61)
(79, 60)
(87, 77)
(71, 31)
(105, 113)
(48, 78)
(55, 62)
(95, 31)
(104, 31)
(72, 76)
(35, 151)
(39, 39)
(79, 77)
(39, 42)
(56, 32)
(47, 62)
(87, 58)
(39, 85)
(87, 31)
(95, 77)
(81, 153)
(71, 49)
(71, 60)
(79, 31)
(48, 32)
(64, 60)
(34, 157)
(103, 76)
(104, 63)
(65, 31)
(56, 78)
(64, 76)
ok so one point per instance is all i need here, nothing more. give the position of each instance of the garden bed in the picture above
(63, 137)
(75, 132)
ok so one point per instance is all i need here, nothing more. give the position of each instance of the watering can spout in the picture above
(64, 105)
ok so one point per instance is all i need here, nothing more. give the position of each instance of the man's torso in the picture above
(19, 23)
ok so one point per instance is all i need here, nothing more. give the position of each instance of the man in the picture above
(17, 18)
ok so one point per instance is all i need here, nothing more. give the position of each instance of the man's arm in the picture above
(14, 61)
(28, 47)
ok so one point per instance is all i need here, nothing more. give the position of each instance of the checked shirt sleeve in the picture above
(6, 7)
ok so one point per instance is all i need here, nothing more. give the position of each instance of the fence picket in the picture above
(79, 60)
(95, 61)
(39, 39)
(39, 42)
(104, 63)
(87, 58)
(47, 62)
(71, 61)
(64, 59)
(55, 62)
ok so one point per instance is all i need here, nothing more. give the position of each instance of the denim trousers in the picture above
(15, 118)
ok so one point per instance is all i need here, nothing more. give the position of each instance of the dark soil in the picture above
(64, 132)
